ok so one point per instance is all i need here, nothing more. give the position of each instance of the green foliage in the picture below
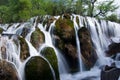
(4, 14)
(106, 7)
(113, 18)
(22, 10)
(3, 2)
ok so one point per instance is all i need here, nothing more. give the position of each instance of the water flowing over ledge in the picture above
(83, 46)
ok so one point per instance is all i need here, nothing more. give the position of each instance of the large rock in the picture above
(64, 35)
(88, 54)
(24, 49)
(37, 38)
(38, 69)
(8, 71)
(110, 73)
(50, 55)
(113, 49)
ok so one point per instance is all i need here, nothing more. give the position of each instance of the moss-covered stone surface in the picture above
(24, 49)
(8, 71)
(37, 38)
(65, 40)
(1, 30)
(38, 69)
(50, 55)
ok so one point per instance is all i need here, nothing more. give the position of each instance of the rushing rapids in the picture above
(60, 48)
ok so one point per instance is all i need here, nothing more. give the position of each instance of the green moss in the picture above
(77, 20)
(37, 38)
(50, 55)
(1, 30)
(38, 69)
(62, 26)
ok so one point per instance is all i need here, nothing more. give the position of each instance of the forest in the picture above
(22, 10)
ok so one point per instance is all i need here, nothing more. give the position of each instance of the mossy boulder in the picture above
(89, 56)
(8, 71)
(24, 49)
(38, 69)
(65, 41)
(113, 49)
(50, 55)
(37, 38)
(65, 29)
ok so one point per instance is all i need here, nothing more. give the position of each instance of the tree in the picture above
(113, 18)
(94, 9)
(21, 10)
(4, 14)
(105, 7)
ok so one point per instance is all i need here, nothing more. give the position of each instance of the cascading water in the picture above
(78, 46)
(102, 33)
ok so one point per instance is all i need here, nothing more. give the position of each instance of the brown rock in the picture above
(8, 71)
(113, 49)
(88, 54)
(110, 73)
(24, 49)
(37, 38)
(64, 36)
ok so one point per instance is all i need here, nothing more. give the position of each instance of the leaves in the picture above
(24, 9)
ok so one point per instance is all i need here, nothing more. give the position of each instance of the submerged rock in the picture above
(64, 35)
(88, 53)
(50, 55)
(37, 38)
(110, 73)
(113, 49)
(25, 31)
(8, 71)
(38, 69)
(24, 49)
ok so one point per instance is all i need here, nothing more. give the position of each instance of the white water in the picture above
(102, 34)
(78, 45)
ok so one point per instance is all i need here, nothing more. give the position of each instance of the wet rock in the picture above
(110, 73)
(65, 29)
(37, 38)
(37, 69)
(67, 16)
(113, 49)
(1, 30)
(24, 49)
(8, 71)
(25, 31)
(50, 55)
(49, 21)
(77, 20)
(3, 52)
(64, 36)
(89, 56)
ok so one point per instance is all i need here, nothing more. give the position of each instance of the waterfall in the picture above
(102, 33)
(78, 45)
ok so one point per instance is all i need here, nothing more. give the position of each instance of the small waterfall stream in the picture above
(78, 45)
(102, 33)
